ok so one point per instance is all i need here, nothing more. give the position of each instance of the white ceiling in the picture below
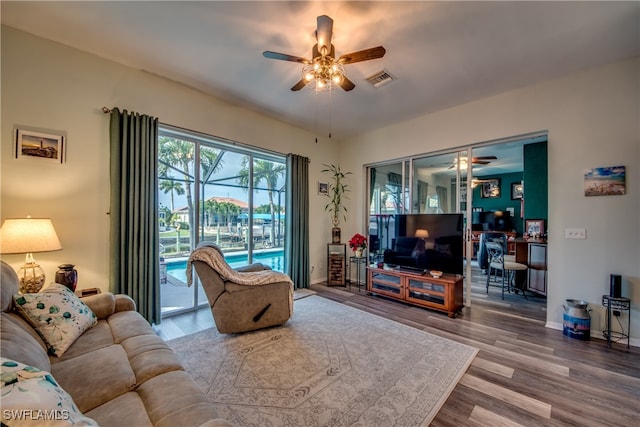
(442, 53)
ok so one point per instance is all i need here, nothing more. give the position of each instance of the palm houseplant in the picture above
(335, 191)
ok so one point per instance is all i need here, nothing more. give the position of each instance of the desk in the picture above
(358, 261)
(617, 304)
(475, 242)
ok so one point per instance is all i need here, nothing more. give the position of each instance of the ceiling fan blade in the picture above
(324, 34)
(362, 55)
(347, 84)
(285, 57)
(480, 162)
(484, 158)
(299, 85)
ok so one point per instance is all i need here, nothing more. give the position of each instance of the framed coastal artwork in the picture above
(605, 181)
(323, 188)
(490, 188)
(517, 191)
(39, 144)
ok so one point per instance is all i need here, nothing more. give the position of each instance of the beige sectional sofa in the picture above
(118, 372)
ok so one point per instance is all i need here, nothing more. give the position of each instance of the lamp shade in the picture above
(25, 235)
(422, 233)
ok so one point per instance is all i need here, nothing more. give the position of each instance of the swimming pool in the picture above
(274, 259)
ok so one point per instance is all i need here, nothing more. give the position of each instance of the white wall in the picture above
(47, 85)
(592, 118)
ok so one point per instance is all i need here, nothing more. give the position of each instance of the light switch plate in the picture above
(575, 233)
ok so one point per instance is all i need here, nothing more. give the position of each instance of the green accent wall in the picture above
(536, 187)
(504, 201)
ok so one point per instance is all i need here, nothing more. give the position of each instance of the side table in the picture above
(87, 292)
(358, 261)
(617, 304)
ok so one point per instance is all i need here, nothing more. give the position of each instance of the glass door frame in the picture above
(407, 196)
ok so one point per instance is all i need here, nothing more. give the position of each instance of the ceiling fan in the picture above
(323, 71)
(481, 160)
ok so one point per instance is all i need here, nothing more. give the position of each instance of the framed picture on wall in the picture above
(323, 188)
(39, 144)
(534, 227)
(517, 191)
(490, 188)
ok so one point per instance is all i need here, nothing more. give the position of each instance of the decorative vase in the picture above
(68, 276)
(359, 252)
(335, 235)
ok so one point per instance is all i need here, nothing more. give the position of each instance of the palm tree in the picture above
(173, 187)
(179, 156)
(270, 173)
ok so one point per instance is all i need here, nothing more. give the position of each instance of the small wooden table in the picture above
(443, 294)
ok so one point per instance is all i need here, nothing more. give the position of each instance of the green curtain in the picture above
(296, 252)
(135, 258)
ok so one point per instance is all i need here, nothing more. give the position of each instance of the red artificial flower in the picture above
(358, 241)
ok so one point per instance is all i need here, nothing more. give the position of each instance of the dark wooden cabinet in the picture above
(336, 264)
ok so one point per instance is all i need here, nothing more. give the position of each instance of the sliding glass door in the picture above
(219, 192)
(435, 184)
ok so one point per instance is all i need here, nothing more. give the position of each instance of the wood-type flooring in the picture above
(524, 374)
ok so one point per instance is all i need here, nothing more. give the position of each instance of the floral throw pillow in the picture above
(58, 315)
(33, 397)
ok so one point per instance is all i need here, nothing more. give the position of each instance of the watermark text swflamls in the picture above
(35, 414)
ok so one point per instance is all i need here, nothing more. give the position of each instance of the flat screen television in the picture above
(492, 221)
(420, 241)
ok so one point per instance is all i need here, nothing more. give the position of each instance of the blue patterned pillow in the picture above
(33, 397)
(58, 315)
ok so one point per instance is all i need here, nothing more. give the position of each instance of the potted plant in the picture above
(358, 243)
(335, 192)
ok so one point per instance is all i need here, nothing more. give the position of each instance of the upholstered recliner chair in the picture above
(242, 299)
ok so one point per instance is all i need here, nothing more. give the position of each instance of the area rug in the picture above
(329, 365)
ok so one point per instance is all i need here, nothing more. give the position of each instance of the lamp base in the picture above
(31, 277)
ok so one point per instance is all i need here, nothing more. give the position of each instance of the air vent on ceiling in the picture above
(380, 78)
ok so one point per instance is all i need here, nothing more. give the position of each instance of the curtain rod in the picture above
(106, 110)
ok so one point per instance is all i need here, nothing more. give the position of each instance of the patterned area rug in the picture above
(329, 365)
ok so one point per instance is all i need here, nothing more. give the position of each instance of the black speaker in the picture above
(615, 285)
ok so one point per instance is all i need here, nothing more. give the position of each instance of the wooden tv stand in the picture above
(444, 293)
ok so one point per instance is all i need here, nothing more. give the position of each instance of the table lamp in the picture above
(422, 233)
(28, 235)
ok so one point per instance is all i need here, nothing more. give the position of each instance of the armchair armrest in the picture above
(256, 266)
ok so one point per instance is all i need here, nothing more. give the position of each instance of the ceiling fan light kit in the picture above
(324, 72)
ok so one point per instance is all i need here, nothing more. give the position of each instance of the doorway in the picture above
(487, 183)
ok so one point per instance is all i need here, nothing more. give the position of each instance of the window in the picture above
(219, 191)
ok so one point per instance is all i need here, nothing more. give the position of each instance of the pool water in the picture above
(275, 260)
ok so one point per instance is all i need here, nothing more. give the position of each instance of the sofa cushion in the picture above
(92, 339)
(97, 377)
(124, 410)
(174, 399)
(18, 341)
(9, 280)
(58, 315)
(150, 356)
(127, 324)
(35, 396)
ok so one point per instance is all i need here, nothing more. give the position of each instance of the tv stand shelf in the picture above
(443, 294)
